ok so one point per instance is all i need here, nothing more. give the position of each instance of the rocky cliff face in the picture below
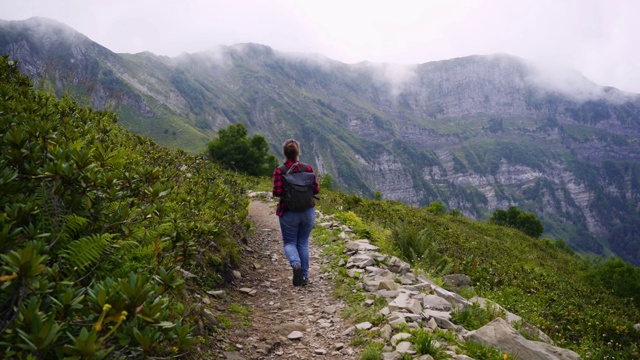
(475, 133)
(388, 174)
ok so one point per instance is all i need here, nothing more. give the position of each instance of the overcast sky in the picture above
(599, 38)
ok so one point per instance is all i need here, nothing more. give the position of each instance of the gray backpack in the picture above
(298, 187)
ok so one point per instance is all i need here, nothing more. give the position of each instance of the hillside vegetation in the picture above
(543, 281)
(97, 229)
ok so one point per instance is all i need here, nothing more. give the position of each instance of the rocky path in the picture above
(287, 322)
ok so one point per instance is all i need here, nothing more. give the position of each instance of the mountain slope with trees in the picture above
(477, 133)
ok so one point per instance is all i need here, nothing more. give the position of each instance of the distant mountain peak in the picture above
(46, 31)
(46, 20)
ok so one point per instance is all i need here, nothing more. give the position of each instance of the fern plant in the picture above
(420, 247)
(85, 253)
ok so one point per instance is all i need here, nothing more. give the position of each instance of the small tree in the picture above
(377, 195)
(234, 150)
(518, 219)
(622, 278)
(327, 182)
(436, 207)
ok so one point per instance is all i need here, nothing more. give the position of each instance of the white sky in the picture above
(599, 38)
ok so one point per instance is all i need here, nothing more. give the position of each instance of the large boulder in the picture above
(499, 334)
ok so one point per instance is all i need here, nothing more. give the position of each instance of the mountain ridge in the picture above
(475, 133)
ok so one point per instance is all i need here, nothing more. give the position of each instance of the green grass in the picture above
(475, 316)
(224, 321)
(450, 337)
(166, 129)
(241, 313)
(480, 351)
(426, 343)
(372, 352)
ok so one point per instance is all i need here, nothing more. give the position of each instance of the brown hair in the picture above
(291, 149)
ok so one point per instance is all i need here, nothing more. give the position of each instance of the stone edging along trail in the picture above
(305, 322)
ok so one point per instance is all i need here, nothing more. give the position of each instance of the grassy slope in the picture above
(166, 129)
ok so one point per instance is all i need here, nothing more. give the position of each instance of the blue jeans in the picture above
(296, 227)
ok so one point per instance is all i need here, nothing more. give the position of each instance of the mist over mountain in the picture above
(475, 133)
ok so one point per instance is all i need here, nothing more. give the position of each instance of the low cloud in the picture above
(598, 38)
(571, 83)
(396, 78)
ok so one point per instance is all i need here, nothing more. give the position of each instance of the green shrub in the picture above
(420, 247)
(622, 278)
(95, 224)
(326, 182)
(513, 217)
(410, 244)
(437, 208)
(474, 317)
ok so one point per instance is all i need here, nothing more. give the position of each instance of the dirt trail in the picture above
(279, 308)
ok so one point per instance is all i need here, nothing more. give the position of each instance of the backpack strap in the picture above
(302, 167)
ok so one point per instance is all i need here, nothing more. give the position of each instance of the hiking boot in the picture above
(297, 275)
(305, 281)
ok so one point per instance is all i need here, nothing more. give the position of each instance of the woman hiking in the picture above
(296, 208)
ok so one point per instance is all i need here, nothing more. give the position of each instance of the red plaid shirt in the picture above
(278, 188)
